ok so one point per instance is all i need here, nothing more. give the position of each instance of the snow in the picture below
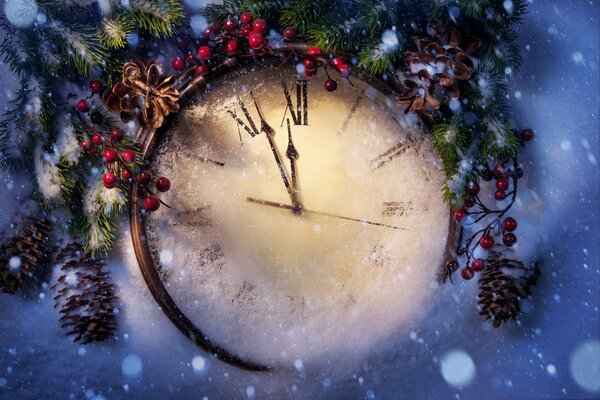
(558, 216)
(21, 13)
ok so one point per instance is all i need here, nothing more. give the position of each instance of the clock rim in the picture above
(190, 85)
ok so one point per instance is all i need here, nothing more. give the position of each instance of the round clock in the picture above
(303, 223)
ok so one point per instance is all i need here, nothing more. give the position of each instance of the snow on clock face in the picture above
(304, 224)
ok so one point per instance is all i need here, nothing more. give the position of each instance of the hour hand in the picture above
(292, 155)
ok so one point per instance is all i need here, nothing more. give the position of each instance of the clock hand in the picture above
(269, 133)
(325, 214)
(292, 155)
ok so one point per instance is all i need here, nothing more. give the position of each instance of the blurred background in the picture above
(551, 352)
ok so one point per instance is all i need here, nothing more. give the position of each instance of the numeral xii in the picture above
(300, 113)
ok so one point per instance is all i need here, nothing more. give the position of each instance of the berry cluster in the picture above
(473, 211)
(244, 37)
(313, 60)
(122, 166)
(83, 105)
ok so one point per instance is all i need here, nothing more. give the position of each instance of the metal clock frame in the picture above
(188, 85)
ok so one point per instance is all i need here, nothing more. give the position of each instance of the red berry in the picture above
(486, 242)
(151, 203)
(509, 239)
(502, 184)
(96, 117)
(330, 85)
(116, 134)
(230, 24)
(310, 72)
(509, 224)
(498, 171)
(259, 26)
(460, 214)
(82, 106)
(255, 41)
(125, 174)
(205, 53)
(473, 188)
(97, 139)
(452, 265)
(144, 177)
(338, 62)
(469, 201)
(310, 64)
(95, 86)
(231, 47)
(128, 156)
(178, 63)
(202, 69)
(527, 134)
(289, 33)
(467, 273)
(109, 180)
(478, 264)
(344, 71)
(246, 31)
(86, 145)
(110, 156)
(163, 184)
(246, 18)
(314, 51)
(500, 195)
(209, 31)
(190, 57)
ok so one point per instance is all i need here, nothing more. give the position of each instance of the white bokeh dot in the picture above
(457, 367)
(585, 366)
(131, 366)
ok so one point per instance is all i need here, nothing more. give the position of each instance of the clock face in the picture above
(311, 240)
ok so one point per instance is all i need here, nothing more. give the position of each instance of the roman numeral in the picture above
(249, 126)
(192, 218)
(300, 113)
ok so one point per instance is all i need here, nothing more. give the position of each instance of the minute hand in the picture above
(325, 214)
(269, 133)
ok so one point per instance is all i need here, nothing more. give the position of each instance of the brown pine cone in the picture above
(85, 296)
(435, 68)
(24, 256)
(503, 284)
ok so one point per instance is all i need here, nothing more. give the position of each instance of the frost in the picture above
(166, 258)
(21, 13)
(67, 145)
(389, 41)
(47, 175)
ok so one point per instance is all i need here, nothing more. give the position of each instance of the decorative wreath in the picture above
(91, 85)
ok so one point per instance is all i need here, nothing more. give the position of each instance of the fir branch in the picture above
(113, 33)
(158, 17)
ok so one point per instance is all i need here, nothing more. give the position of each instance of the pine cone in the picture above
(143, 93)
(435, 68)
(503, 284)
(23, 256)
(85, 297)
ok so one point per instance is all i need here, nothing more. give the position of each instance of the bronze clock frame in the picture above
(188, 85)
